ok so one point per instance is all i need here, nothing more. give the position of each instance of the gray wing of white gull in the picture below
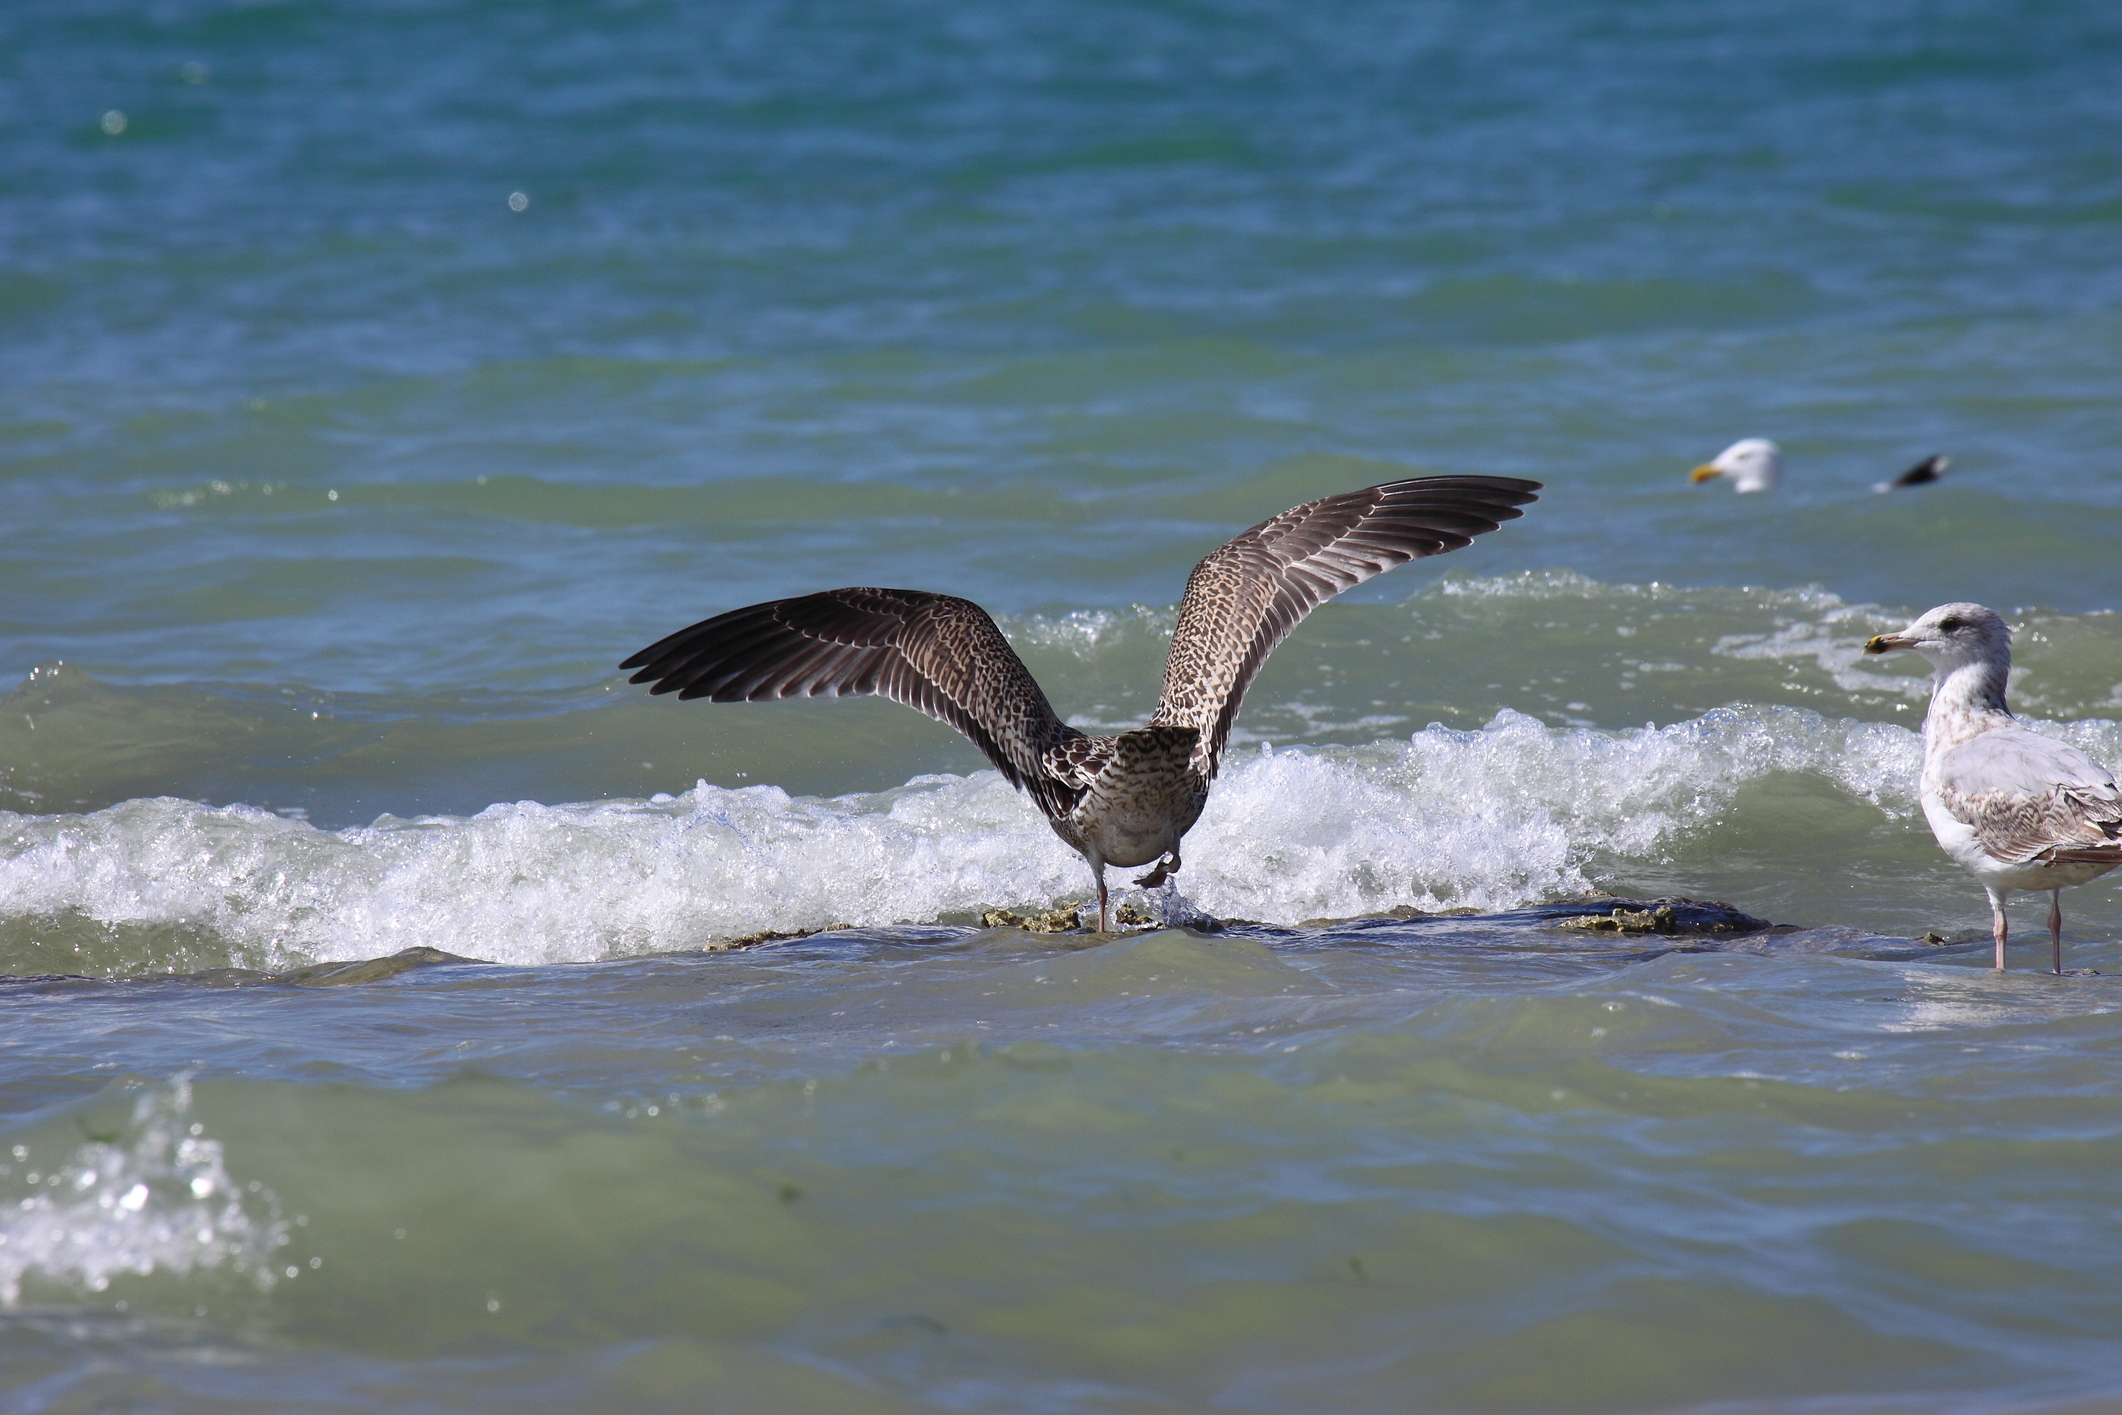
(1244, 599)
(2030, 797)
(934, 653)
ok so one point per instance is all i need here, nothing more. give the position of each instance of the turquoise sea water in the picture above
(373, 377)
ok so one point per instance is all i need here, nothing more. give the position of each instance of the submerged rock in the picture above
(1659, 920)
(1840, 940)
(1062, 918)
(1597, 913)
(367, 970)
(770, 936)
(1656, 916)
(1066, 918)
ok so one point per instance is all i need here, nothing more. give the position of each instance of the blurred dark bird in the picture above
(1925, 472)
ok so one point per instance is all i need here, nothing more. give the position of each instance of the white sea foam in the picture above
(157, 1198)
(1083, 632)
(1491, 818)
(1835, 645)
(1507, 814)
(1557, 584)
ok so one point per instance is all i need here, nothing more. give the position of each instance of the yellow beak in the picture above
(1702, 473)
(1886, 643)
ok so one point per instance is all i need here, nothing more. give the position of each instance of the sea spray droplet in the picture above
(109, 1220)
(113, 122)
(518, 201)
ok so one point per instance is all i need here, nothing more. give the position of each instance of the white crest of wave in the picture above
(1555, 584)
(1083, 632)
(1490, 819)
(1838, 655)
(156, 1199)
(1505, 815)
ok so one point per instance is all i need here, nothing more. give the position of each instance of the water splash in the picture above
(156, 1198)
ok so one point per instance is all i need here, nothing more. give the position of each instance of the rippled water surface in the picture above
(374, 377)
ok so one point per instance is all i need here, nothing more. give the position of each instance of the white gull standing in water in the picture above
(1752, 463)
(1121, 800)
(2013, 808)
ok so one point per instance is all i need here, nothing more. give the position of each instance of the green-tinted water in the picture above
(375, 378)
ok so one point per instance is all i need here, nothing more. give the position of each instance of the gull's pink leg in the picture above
(1997, 927)
(2055, 928)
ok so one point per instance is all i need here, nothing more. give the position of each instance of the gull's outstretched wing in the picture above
(2031, 797)
(936, 654)
(1245, 598)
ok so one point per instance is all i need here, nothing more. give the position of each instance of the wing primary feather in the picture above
(688, 638)
(937, 654)
(714, 664)
(1246, 597)
(700, 650)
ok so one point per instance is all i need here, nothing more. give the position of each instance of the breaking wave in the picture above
(1489, 818)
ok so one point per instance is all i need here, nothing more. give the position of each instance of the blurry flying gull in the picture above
(1756, 464)
(1752, 463)
(2015, 809)
(1925, 472)
(1123, 800)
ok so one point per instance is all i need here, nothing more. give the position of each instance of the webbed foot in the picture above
(1166, 868)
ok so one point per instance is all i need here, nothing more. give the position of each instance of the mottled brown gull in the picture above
(2015, 809)
(1122, 800)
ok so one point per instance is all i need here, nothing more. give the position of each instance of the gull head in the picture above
(1752, 463)
(1951, 635)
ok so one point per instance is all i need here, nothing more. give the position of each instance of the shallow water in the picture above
(332, 485)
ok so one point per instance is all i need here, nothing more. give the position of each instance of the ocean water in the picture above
(374, 377)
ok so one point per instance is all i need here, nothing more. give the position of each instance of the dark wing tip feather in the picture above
(660, 657)
(937, 654)
(1513, 491)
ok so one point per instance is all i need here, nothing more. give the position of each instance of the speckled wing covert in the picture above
(2031, 798)
(1245, 598)
(1079, 760)
(934, 653)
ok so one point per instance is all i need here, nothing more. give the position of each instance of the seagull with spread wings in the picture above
(1123, 800)
(2013, 808)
